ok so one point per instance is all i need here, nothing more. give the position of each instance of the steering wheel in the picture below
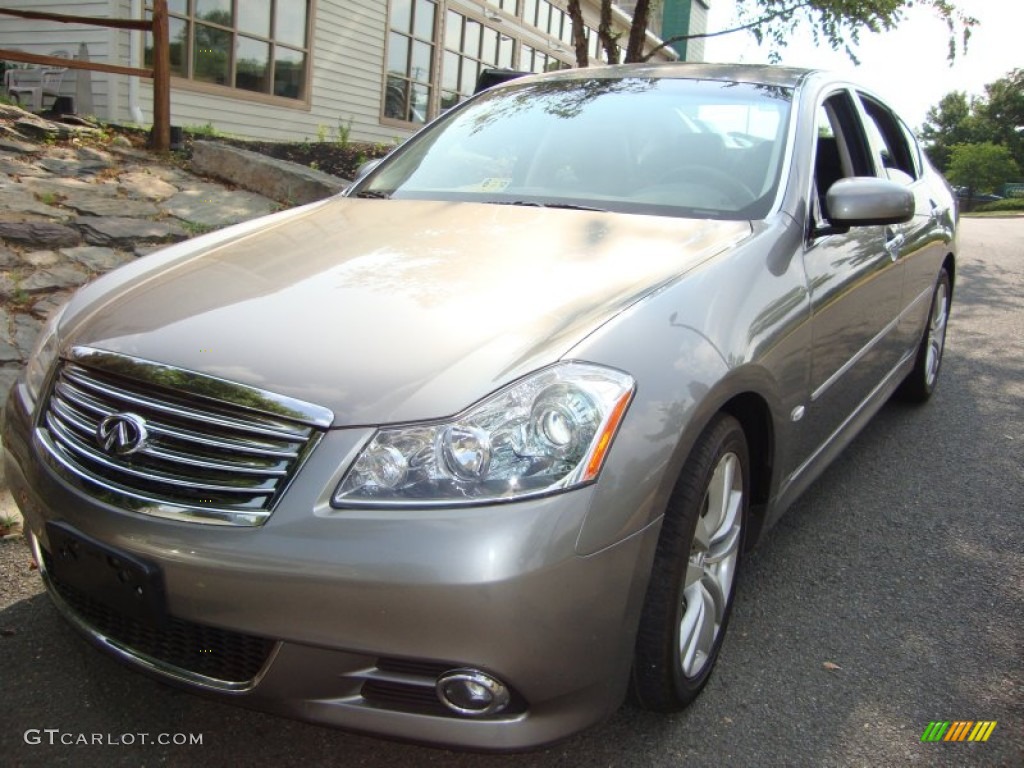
(731, 187)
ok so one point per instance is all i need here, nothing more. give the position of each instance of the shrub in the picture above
(1009, 204)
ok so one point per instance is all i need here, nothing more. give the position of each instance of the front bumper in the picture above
(360, 610)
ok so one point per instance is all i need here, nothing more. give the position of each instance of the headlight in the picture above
(43, 355)
(547, 432)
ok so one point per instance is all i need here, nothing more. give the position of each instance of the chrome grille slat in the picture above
(182, 411)
(202, 459)
(69, 394)
(69, 441)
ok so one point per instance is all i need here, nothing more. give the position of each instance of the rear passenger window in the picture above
(889, 142)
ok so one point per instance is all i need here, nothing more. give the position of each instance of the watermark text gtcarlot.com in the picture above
(55, 737)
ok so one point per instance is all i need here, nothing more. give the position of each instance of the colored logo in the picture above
(122, 433)
(958, 730)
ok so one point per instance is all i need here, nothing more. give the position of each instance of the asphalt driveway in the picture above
(890, 596)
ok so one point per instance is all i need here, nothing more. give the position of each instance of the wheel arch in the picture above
(751, 410)
(949, 264)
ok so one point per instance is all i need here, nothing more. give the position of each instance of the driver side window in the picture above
(840, 150)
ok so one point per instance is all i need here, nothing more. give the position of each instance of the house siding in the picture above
(698, 24)
(45, 37)
(346, 86)
(348, 59)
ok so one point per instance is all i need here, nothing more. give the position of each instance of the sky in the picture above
(907, 66)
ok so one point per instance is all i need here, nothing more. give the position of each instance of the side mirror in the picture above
(366, 167)
(863, 200)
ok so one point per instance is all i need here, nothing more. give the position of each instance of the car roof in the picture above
(761, 74)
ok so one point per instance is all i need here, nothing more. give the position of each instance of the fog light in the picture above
(471, 692)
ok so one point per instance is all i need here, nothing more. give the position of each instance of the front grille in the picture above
(203, 459)
(218, 654)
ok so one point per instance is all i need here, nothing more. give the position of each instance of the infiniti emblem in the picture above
(122, 433)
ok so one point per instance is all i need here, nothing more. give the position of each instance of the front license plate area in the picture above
(121, 582)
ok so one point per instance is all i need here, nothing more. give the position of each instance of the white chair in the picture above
(29, 87)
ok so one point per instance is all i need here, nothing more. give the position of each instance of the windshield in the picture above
(642, 145)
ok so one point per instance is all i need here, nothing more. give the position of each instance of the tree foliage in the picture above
(997, 117)
(952, 121)
(836, 23)
(980, 167)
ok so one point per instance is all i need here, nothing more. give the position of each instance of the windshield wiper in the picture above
(534, 204)
(373, 193)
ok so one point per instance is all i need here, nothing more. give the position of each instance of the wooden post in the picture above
(161, 78)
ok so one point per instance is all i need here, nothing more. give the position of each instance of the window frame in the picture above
(189, 83)
(893, 133)
(434, 79)
(521, 32)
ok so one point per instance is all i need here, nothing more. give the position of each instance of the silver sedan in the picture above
(466, 454)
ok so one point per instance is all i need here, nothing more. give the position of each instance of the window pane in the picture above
(566, 29)
(418, 103)
(289, 73)
(505, 50)
(421, 61)
(525, 57)
(453, 31)
(543, 14)
(252, 65)
(290, 22)
(177, 6)
(489, 51)
(425, 19)
(217, 11)
(211, 59)
(555, 23)
(395, 97)
(530, 11)
(254, 16)
(401, 15)
(178, 33)
(472, 41)
(450, 73)
(467, 83)
(398, 54)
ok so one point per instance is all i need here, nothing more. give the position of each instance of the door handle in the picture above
(894, 242)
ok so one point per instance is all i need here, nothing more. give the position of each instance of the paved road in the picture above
(903, 565)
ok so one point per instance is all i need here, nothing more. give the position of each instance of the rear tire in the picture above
(921, 381)
(690, 595)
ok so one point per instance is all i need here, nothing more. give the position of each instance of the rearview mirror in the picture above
(862, 200)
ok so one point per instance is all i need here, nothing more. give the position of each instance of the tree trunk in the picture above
(638, 31)
(607, 35)
(579, 35)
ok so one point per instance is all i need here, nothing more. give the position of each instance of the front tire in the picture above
(921, 381)
(693, 580)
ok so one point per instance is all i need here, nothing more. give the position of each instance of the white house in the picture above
(288, 69)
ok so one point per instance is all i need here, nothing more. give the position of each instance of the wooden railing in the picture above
(160, 73)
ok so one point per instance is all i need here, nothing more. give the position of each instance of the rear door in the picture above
(924, 240)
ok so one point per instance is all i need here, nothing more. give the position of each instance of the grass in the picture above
(48, 198)
(20, 299)
(205, 131)
(9, 524)
(195, 229)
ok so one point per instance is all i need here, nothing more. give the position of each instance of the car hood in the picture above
(389, 311)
